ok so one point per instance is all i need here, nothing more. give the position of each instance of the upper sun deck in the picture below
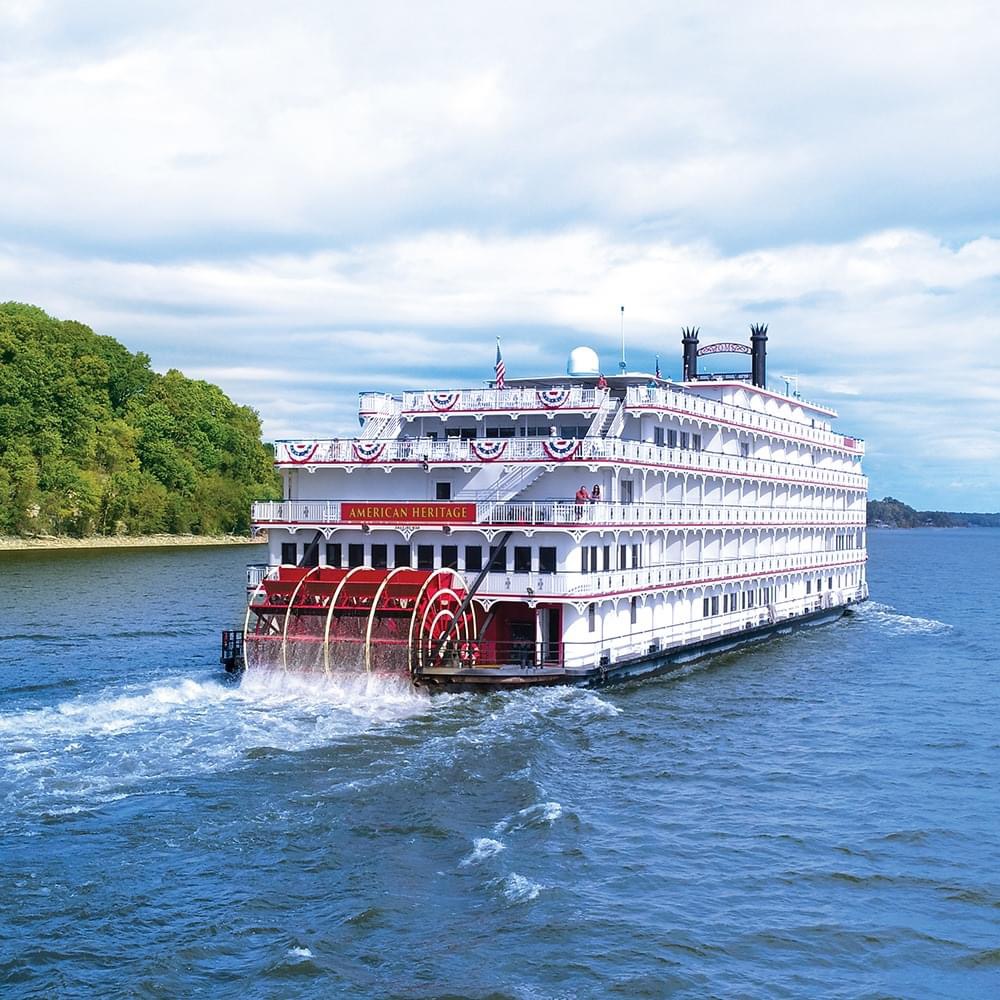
(730, 403)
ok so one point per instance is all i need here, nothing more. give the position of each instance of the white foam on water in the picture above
(299, 953)
(483, 848)
(518, 889)
(894, 623)
(539, 814)
(94, 749)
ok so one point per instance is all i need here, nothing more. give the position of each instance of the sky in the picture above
(302, 201)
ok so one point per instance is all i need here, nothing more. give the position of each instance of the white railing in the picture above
(687, 404)
(567, 512)
(521, 399)
(353, 452)
(257, 572)
(580, 586)
(296, 512)
(372, 403)
(571, 514)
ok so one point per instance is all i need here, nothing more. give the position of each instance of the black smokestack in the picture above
(758, 355)
(689, 338)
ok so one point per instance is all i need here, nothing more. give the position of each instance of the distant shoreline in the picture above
(15, 544)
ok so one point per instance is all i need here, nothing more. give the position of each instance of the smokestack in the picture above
(689, 338)
(758, 355)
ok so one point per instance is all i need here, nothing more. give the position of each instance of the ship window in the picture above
(744, 449)
(636, 557)
(522, 559)
(705, 608)
(334, 555)
(671, 439)
(449, 557)
(425, 557)
(547, 559)
(401, 555)
(819, 585)
(622, 557)
(750, 598)
(355, 555)
(658, 436)
(633, 609)
(452, 434)
(585, 560)
(809, 586)
(715, 605)
(607, 558)
(473, 558)
(310, 555)
(829, 583)
(627, 490)
(442, 491)
(468, 434)
(498, 559)
(685, 439)
(696, 442)
(592, 618)
(289, 554)
(380, 556)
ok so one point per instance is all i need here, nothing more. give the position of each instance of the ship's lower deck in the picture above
(649, 664)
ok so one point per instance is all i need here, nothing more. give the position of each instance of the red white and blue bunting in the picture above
(561, 449)
(368, 451)
(443, 400)
(301, 451)
(552, 399)
(488, 451)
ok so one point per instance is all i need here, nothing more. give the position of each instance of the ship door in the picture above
(522, 643)
(549, 634)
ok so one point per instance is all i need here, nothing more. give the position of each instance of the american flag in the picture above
(501, 370)
(657, 366)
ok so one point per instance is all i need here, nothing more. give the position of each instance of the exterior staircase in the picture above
(383, 426)
(606, 418)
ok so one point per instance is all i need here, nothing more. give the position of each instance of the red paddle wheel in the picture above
(359, 620)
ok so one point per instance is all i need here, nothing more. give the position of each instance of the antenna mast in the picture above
(621, 364)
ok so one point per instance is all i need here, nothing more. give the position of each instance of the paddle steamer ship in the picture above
(450, 541)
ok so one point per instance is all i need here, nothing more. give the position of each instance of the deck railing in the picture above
(520, 399)
(578, 585)
(582, 586)
(571, 514)
(663, 398)
(550, 451)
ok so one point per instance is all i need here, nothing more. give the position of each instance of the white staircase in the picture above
(510, 483)
(382, 426)
(606, 417)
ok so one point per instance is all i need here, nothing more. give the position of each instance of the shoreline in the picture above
(54, 542)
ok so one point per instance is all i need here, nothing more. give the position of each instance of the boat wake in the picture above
(98, 748)
(893, 622)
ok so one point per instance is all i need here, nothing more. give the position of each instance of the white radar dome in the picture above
(583, 361)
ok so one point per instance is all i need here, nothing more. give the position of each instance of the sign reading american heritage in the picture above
(393, 512)
(727, 348)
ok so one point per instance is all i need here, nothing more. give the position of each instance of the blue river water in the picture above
(818, 816)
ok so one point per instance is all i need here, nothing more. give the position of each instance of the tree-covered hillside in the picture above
(92, 441)
(896, 514)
